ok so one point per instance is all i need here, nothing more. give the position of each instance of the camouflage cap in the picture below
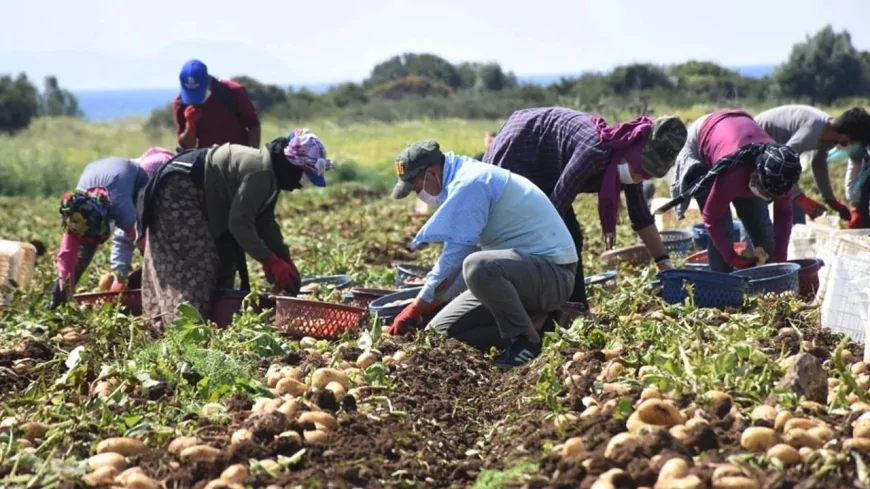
(413, 162)
(667, 138)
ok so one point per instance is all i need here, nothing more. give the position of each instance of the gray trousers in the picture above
(504, 288)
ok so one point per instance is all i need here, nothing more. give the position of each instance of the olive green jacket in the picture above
(240, 196)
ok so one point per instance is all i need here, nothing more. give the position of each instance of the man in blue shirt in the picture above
(502, 233)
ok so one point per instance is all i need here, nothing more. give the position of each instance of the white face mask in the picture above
(625, 175)
(426, 197)
(753, 187)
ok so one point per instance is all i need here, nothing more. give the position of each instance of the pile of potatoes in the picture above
(109, 465)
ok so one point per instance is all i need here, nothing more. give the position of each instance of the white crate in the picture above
(846, 304)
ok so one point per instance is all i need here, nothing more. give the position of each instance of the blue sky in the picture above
(119, 44)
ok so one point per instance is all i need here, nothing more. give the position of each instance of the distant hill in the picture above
(107, 105)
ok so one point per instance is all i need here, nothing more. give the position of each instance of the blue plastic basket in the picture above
(338, 281)
(601, 278)
(701, 236)
(678, 243)
(409, 271)
(711, 289)
(387, 313)
(773, 278)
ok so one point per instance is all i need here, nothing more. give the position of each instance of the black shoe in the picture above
(519, 353)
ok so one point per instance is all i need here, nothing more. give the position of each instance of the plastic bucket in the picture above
(773, 278)
(808, 276)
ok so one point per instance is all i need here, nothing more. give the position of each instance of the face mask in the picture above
(625, 175)
(426, 197)
(304, 181)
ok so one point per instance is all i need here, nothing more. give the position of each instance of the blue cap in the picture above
(194, 82)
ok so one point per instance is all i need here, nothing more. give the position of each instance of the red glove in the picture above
(191, 117)
(279, 272)
(118, 286)
(841, 209)
(741, 263)
(296, 282)
(409, 318)
(810, 206)
(855, 221)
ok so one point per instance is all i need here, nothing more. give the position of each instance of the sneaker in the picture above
(519, 353)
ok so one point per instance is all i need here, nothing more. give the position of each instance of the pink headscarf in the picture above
(153, 159)
(626, 140)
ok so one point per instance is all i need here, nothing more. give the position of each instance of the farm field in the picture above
(638, 394)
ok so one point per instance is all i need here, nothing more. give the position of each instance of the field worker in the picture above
(207, 208)
(565, 153)
(857, 167)
(729, 159)
(506, 239)
(209, 111)
(805, 128)
(105, 195)
(122, 245)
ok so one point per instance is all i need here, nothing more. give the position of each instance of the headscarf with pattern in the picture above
(85, 214)
(306, 151)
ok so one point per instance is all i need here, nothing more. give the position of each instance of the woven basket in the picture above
(131, 300)
(633, 255)
(678, 243)
(322, 320)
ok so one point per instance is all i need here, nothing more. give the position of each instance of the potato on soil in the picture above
(859, 444)
(802, 423)
(618, 441)
(107, 459)
(680, 433)
(182, 442)
(337, 389)
(315, 436)
(572, 447)
(650, 393)
(763, 413)
(139, 481)
(323, 376)
(123, 476)
(861, 428)
(674, 468)
(602, 484)
(687, 482)
(33, 430)
(290, 386)
(786, 454)
(726, 470)
(241, 435)
(734, 482)
(400, 357)
(200, 453)
(236, 473)
(799, 437)
(102, 476)
(781, 419)
(757, 438)
(127, 447)
(660, 413)
(319, 417)
(366, 359)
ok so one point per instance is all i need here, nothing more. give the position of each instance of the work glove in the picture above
(192, 114)
(741, 262)
(58, 297)
(855, 221)
(810, 206)
(410, 317)
(841, 209)
(282, 273)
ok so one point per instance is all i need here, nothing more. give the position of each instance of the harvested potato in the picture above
(291, 434)
(802, 423)
(602, 484)
(323, 376)
(112, 459)
(139, 481)
(781, 419)
(615, 388)
(200, 453)
(123, 476)
(290, 386)
(33, 430)
(316, 436)
(337, 389)
(400, 302)
(859, 444)
(734, 482)
(674, 468)
(590, 411)
(680, 432)
(102, 476)
(688, 482)
(861, 428)
(236, 473)
(763, 413)
(822, 433)
(366, 360)
(312, 287)
(799, 437)
(182, 442)
(618, 441)
(400, 357)
(127, 447)
(757, 438)
(650, 393)
(726, 470)
(241, 435)
(319, 417)
(572, 447)
(660, 413)
(611, 371)
(288, 408)
(786, 454)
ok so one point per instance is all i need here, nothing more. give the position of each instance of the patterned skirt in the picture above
(181, 263)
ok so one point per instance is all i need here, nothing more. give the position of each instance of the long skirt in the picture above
(181, 263)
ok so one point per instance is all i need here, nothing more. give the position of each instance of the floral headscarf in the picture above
(153, 159)
(306, 151)
(85, 214)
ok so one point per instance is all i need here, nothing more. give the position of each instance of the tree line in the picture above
(822, 69)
